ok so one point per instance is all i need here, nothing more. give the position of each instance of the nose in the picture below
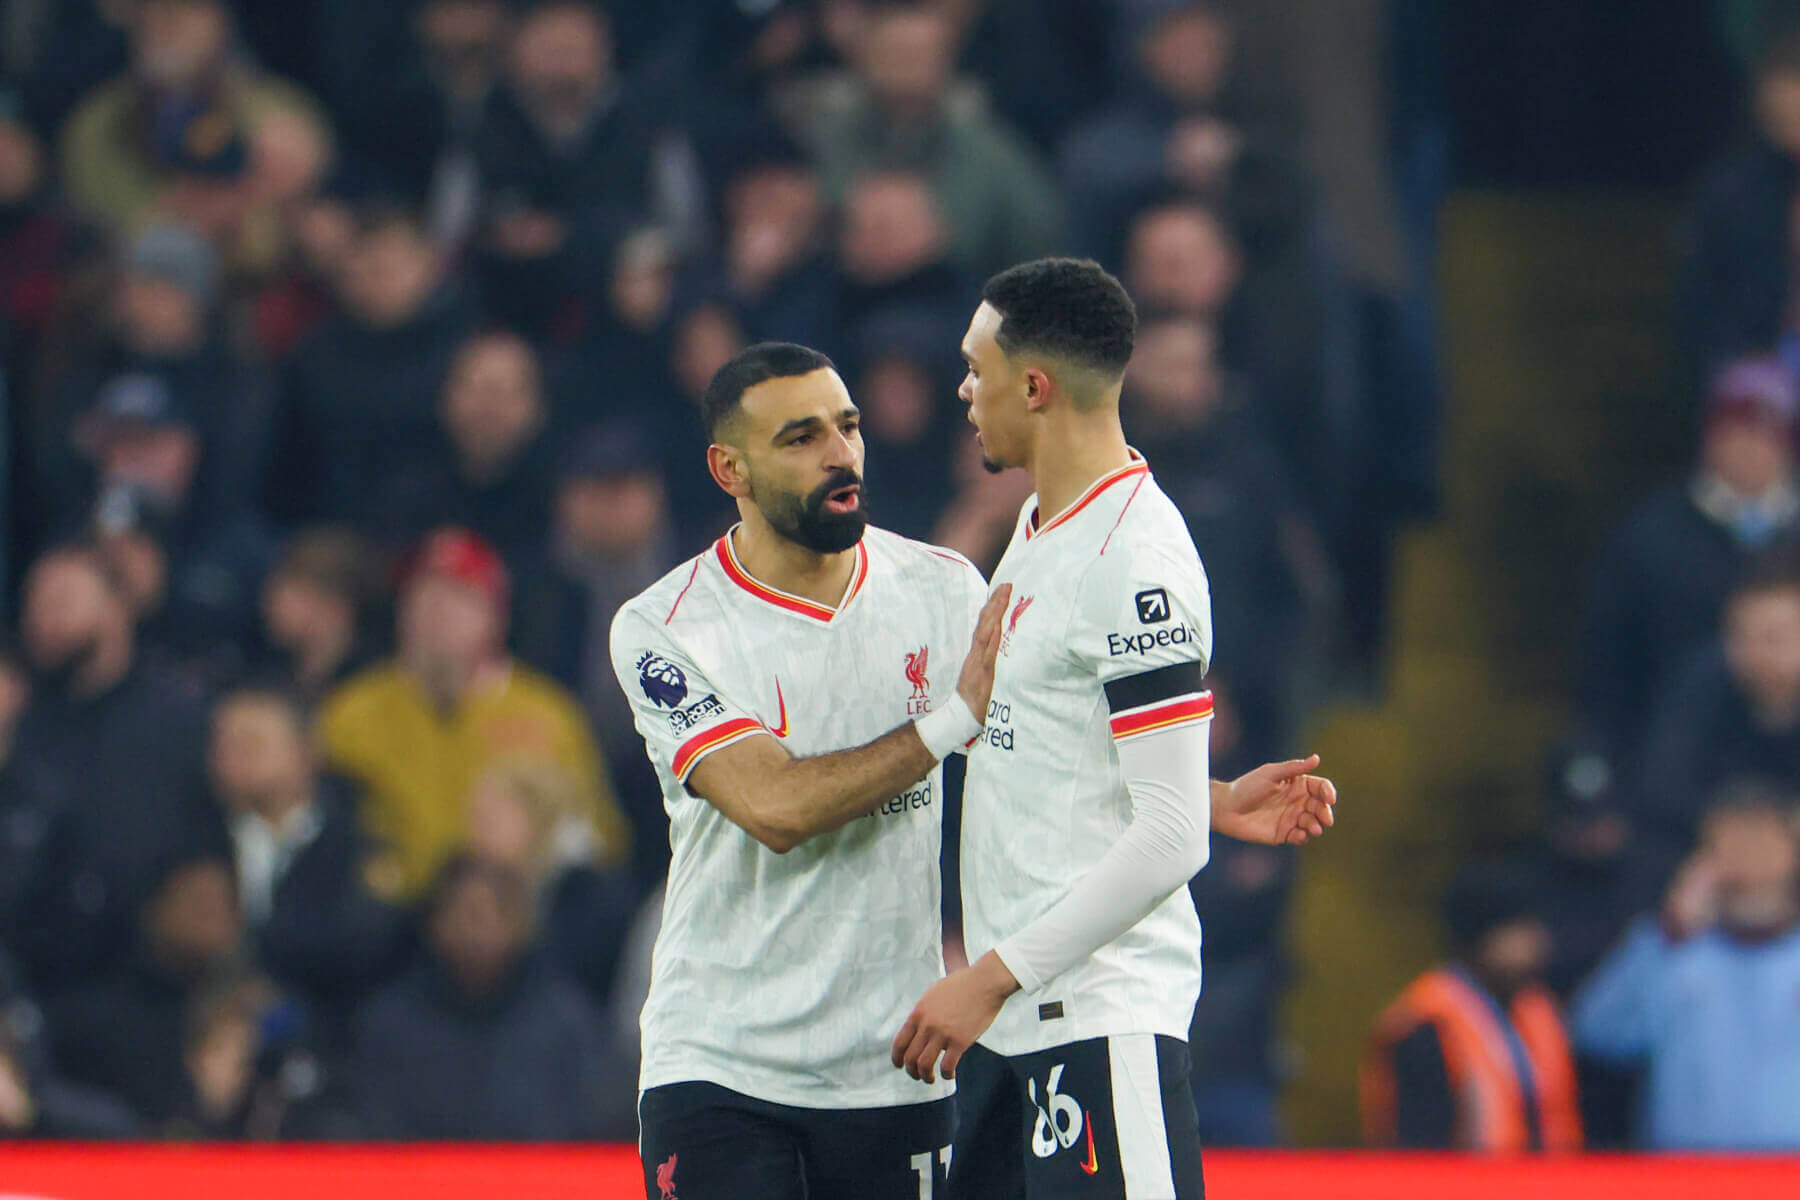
(840, 453)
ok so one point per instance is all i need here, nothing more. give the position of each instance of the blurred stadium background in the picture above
(336, 338)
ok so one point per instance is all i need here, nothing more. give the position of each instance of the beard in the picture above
(990, 466)
(805, 521)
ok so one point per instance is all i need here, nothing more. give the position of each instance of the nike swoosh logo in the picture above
(1092, 1165)
(780, 730)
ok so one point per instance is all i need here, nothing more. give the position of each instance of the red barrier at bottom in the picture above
(51, 1172)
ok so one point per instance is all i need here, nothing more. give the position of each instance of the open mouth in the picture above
(844, 500)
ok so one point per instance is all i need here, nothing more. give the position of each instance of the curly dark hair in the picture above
(747, 368)
(1068, 308)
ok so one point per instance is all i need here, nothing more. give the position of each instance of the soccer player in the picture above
(1086, 809)
(792, 686)
(802, 908)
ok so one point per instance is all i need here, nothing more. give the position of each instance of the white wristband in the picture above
(948, 729)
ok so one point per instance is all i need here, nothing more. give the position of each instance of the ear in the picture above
(729, 470)
(1037, 389)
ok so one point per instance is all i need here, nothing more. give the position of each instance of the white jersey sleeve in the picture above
(1138, 608)
(681, 714)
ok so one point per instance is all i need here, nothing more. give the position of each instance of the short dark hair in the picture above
(1747, 796)
(1484, 896)
(1781, 56)
(750, 366)
(272, 690)
(1068, 308)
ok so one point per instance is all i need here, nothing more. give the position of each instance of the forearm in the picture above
(796, 799)
(1164, 846)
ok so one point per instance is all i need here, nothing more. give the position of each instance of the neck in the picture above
(774, 560)
(446, 682)
(110, 664)
(285, 807)
(1775, 713)
(318, 661)
(1075, 449)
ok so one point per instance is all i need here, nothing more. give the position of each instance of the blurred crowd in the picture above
(350, 356)
(1631, 977)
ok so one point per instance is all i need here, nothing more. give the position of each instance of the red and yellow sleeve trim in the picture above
(708, 740)
(1153, 718)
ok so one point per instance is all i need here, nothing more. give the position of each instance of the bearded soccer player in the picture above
(801, 916)
(1087, 805)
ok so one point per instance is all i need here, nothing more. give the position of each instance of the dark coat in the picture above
(328, 938)
(526, 1065)
(354, 401)
(1655, 597)
(132, 766)
(1735, 278)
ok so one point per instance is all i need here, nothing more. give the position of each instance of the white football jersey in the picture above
(1109, 592)
(785, 976)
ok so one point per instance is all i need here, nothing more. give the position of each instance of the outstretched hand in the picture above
(1278, 804)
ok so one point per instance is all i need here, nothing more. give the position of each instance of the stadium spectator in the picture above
(362, 391)
(1734, 714)
(774, 269)
(1246, 518)
(39, 246)
(483, 1040)
(161, 319)
(306, 874)
(128, 1033)
(628, 344)
(1587, 865)
(1583, 863)
(124, 742)
(904, 369)
(193, 568)
(317, 604)
(1735, 291)
(702, 340)
(193, 132)
(1178, 124)
(1473, 1055)
(1183, 254)
(301, 293)
(81, 45)
(419, 103)
(526, 817)
(489, 469)
(613, 538)
(568, 163)
(35, 1100)
(903, 109)
(416, 732)
(894, 250)
(1662, 579)
(30, 806)
(1242, 897)
(1705, 996)
(1043, 67)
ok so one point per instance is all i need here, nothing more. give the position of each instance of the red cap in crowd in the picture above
(457, 554)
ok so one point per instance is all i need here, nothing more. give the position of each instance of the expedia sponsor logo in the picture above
(1118, 644)
(696, 714)
(917, 798)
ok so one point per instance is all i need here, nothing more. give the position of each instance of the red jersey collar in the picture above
(1131, 470)
(734, 571)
